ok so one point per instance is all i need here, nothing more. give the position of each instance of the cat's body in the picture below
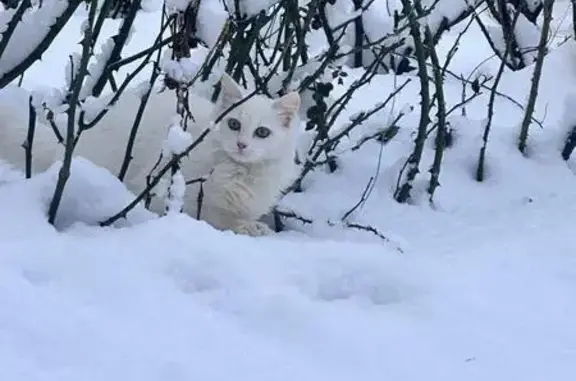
(248, 166)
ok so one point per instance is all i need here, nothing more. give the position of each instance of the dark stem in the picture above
(119, 42)
(134, 131)
(480, 170)
(403, 193)
(28, 145)
(154, 181)
(542, 50)
(441, 116)
(12, 25)
(76, 86)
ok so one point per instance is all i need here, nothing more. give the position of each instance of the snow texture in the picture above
(182, 70)
(211, 19)
(175, 6)
(35, 24)
(177, 190)
(96, 68)
(249, 8)
(178, 139)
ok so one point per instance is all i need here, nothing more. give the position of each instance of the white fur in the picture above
(243, 184)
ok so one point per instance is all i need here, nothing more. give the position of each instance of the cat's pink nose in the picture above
(241, 145)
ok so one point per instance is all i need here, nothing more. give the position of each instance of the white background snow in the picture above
(483, 288)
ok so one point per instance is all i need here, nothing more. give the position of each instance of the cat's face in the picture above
(257, 130)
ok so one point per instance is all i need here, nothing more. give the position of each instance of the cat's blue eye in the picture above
(262, 132)
(234, 124)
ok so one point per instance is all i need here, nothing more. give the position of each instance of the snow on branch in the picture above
(242, 9)
(32, 35)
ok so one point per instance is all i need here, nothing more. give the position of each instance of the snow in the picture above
(211, 19)
(5, 18)
(93, 106)
(143, 88)
(173, 298)
(178, 140)
(35, 25)
(182, 70)
(177, 190)
(174, 6)
(528, 39)
(96, 69)
(68, 41)
(249, 8)
(482, 287)
(447, 9)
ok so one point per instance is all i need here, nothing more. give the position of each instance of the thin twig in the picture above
(28, 144)
(350, 225)
(76, 87)
(360, 202)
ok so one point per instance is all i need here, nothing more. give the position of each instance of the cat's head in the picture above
(257, 130)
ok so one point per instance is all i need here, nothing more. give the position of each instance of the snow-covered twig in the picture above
(325, 144)
(518, 28)
(154, 181)
(22, 57)
(483, 85)
(363, 199)
(120, 41)
(141, 107)
(441, 132)
(143, 53)
(16, 18)
(351, 225)
(403, 193)
(86, 125)
(542, 50)
(488, 122)
(383, 135)
(75, 89)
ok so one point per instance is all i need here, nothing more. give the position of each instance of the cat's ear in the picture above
(287, 106)
(230, 91)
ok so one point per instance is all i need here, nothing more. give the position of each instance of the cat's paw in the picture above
(253, 228)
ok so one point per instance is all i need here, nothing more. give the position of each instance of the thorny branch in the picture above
(350, 225)
(37, 52)
(276, 39)
(74, 92)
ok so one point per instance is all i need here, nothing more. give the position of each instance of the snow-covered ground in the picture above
(481, 288)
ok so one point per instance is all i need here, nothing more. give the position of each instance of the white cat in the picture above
(249, 154)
